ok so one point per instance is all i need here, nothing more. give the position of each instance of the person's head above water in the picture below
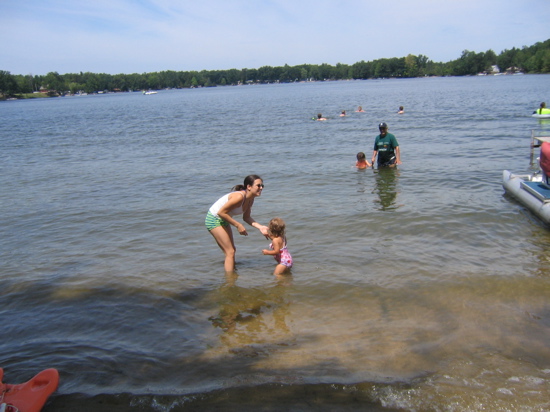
(277, 227)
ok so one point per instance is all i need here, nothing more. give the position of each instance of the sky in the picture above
(141, 36)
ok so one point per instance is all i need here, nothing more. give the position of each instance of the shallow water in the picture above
(417, 288)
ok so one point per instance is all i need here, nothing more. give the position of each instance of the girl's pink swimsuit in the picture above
(284, 258)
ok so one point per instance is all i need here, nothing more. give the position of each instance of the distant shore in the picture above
(22, 96)
(54, 93)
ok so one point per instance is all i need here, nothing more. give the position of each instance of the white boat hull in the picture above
(525, 189)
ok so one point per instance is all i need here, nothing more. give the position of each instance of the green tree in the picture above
(533, 59)
(265, 74)
(314, 72)
(545, 62)
(411, 66)
(252, 75)
(341, 71)
(25, 84)
(362, 70)
(325, 71)
(490, 58)
(119, 81)
(8, 85)
(382, 68)
(508, 58)
(75, 87)
(91, 82)
(55, 83)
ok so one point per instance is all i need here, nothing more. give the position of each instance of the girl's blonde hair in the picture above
(277, 227)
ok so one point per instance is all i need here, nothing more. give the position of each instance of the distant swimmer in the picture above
(343, 113)
(359, 110)
(542, 109)
(320, 117)
(401, 110)
(362, 162)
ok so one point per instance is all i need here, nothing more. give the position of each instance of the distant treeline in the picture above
(532, 59)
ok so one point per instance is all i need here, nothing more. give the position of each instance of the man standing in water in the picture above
(386, 147)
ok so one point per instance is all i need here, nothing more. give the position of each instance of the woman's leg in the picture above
(224, 238)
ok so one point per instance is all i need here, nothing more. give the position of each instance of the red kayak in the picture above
(29, 396)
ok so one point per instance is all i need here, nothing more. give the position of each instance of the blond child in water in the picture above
(362, 162)
(276, 233)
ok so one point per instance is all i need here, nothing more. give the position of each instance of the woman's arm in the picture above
(235, 199)
(248, 219)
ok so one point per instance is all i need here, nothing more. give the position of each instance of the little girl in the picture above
(362, 162)
(278, 245)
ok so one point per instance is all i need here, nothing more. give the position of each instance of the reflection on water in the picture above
(248, 315)
(386, 181)
(383, 183)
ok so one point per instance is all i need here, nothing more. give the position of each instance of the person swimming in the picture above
(542, 109)
(362, 162)
(401, 110)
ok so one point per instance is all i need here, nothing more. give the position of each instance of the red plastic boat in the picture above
(29, 396)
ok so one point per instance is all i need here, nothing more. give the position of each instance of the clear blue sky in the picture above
(137, 36)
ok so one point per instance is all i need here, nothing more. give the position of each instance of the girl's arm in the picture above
(277, 246)
(248, 219)
(235, 199)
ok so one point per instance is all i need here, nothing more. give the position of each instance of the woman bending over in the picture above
(219, 218)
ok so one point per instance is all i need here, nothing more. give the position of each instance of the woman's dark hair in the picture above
(248, 181)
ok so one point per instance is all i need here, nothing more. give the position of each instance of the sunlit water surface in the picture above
(417, 288)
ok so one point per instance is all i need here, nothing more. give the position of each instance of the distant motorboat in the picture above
(149, 92)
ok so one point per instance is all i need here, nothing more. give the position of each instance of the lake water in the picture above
(421, 288)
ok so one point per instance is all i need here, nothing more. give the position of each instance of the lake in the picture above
(420, 288)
